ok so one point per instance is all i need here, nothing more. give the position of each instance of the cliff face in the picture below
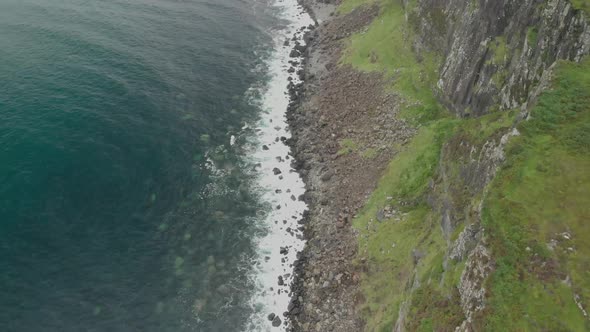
(496, 51)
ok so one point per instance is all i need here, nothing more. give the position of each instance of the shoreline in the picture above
(344, 130)
(279, 184)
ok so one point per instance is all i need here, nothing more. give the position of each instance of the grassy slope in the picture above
(387, 246)
(372, 51)
(543, 192)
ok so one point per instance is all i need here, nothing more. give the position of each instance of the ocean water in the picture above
(134, 192)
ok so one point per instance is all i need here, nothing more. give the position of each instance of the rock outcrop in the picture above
(496, 51)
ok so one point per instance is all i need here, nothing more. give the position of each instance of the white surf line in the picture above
(281, 189)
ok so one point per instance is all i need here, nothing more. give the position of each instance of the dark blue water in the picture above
(110, 219)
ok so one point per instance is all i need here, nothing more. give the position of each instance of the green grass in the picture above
(481, 128)
(348, 6)
(532, 36)
(369, 153)
(388, 40)
(347, 146)
(433, 311)
(543, 191)
(499, 50)
(582, 5)
(387, 246)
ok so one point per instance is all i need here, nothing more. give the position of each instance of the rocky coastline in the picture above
(346, 128)
(336, 111)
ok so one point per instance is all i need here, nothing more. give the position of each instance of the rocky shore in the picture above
(344, 132)
(484, 65)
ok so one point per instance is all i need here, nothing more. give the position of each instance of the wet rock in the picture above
(265, 147)
(281, 281)
(276, 171)
(276, 322)
(271, 316)
(300, 48)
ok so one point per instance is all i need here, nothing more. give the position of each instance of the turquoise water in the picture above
(110, 218)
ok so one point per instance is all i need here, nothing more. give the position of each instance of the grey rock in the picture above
(276, 322)
(327, 176)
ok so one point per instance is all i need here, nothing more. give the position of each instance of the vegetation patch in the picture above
(369, 153)
(499, 50)
(407, 245)
(532, 36)
(408, 241)
(388, 39)
(536, 214)
(348, 6)
(478, 130)
(533, 216)
(433, 311)
(582, 5)
(347, 146)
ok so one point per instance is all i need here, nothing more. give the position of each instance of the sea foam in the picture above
(282, 189)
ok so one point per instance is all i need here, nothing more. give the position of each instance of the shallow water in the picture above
(123, 205)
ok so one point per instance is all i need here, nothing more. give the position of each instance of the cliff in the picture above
(496, 52)
(449, 141)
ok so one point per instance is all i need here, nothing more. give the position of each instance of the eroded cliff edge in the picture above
(445, 146)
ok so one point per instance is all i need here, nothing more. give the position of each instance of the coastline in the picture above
(344, 132)
(279, 184)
